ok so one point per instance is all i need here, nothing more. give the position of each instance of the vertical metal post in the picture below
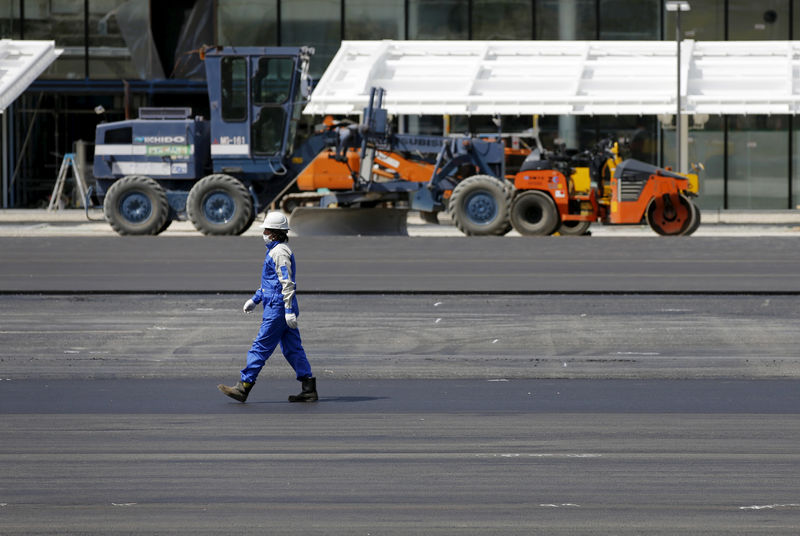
(5, 166)
(678, 126)
(86, 38)
(681, 130)
(278, 23)
(791, 161)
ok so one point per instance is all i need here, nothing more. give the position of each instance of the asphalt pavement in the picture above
(405, 264)
(401, 457)
(621, 383)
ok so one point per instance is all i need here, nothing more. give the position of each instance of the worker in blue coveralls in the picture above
(279, 322)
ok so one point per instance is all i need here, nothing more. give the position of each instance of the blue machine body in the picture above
(165, 148)
(256, 95)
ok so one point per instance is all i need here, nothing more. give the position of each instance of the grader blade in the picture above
(318, 221)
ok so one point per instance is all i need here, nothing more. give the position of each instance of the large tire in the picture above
(220, 205)
(674, 221)
(574, 228)
(534, 213)
(136, 205)
(480, 205)
(695, 223)
(167, 223)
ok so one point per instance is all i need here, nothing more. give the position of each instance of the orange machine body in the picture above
(629, 201)
(572, 206)
(624, 201)
(326, 172)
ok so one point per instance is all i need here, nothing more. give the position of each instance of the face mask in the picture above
(266, 238)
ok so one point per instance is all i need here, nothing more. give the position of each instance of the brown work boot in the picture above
(309, 392)
(237, 392)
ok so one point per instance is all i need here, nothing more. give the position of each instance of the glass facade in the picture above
(315, 23)
(767, 20)
(621, 20)
(247, 22)
(373, 19)
(707, 146)
(705, 21)
(794, 198)
(566, 19)
(758, 165)
(750, 161)
(502, 20)
(438, 19)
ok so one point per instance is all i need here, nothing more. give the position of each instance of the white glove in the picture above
(249, 306)
(291, 320)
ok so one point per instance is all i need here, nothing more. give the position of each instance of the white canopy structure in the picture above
(562, 77)
(21, 62)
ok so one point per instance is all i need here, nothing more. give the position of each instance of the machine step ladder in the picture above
(68, 163)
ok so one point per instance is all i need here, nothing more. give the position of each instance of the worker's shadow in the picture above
(326, 399)
(345, 399)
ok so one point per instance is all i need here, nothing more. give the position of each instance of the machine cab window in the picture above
(272, 82)
(272, 85)
(234, 88)
(121, 136)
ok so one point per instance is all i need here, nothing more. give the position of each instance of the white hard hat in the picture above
(275, 220)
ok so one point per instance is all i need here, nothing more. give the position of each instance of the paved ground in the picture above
(401, 457)
(464, 413)
(407, 336)
(406, 264)
(72, 222)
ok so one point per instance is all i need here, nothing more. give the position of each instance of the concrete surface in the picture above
(73, 222)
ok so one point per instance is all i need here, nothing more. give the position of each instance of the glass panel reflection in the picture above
(758, 164)
(437, 19)
(247, 23)
(502, 19)
(373, 19)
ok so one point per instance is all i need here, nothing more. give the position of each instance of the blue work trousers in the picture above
(274, 331)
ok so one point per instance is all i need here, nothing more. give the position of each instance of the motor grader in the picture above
(369, 181)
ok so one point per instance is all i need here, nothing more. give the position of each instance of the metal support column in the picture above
(4, 165)
(681, 124)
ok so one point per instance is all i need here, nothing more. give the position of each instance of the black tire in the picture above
(509, 186)
(574, 228)
(695, 223)
(136, 205)
(670, 223)
(167, 223)
(220, 205)
(534, 213)
(480, 205)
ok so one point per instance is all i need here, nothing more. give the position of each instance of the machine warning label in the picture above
(168, 150)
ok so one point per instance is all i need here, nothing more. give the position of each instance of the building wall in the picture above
(751, 162)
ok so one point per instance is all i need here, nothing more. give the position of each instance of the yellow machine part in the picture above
(694, 182)
(581, 180)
